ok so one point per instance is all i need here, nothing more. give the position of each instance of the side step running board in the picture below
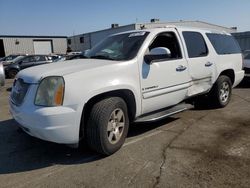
(155, 116)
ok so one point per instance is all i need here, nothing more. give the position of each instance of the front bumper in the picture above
(55, 124)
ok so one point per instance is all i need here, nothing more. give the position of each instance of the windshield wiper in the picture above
(101, 57)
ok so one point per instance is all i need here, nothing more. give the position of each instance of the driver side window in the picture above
(167, 40)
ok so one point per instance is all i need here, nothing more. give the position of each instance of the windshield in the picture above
(118, 47)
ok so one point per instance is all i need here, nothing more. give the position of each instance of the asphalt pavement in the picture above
(195, 148)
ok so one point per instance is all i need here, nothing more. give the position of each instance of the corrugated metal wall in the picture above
(243, 39)
(97, 37)
(76, 45)
(24, 45)
(59, 45)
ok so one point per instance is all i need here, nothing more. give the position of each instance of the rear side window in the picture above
(196, 45)
(224, 44)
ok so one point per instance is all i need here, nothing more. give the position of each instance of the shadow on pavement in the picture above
(245, 83)
(20, 152)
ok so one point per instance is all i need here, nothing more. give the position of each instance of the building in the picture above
(32, 45)
(243, 39)
(88, 40)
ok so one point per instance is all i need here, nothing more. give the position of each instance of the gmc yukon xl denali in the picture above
(129, 77)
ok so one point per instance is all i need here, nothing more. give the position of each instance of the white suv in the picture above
(132, 76)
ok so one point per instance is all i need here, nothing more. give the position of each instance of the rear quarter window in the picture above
(224, 44)
(196, 45)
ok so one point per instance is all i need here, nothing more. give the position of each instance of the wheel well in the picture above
(125, 94)
(230, 74)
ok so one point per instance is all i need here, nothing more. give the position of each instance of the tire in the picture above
(12, 73)
(221, 91)
(107, 126)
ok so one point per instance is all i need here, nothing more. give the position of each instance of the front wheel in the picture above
(107, 126)
(222, 91)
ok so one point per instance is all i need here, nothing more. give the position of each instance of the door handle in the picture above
(208, 64)
(181, 68)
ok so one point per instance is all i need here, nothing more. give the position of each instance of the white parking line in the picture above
(146, 136)
(142, 138)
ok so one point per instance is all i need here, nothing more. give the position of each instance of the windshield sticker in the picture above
(137, 34)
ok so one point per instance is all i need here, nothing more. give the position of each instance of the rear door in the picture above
(200, 61)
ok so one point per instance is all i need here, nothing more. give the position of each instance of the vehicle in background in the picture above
(246, 64)
(8, 59)
(2, 75)
(55, 57)
(76, 56)
(74, 53)
(25, 62)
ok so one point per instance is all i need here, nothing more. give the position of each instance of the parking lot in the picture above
(196, 148)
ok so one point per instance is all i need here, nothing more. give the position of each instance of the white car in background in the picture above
(246, 63)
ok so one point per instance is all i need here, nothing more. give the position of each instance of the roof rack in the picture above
(142, 26)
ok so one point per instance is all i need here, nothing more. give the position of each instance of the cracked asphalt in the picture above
(195, 148)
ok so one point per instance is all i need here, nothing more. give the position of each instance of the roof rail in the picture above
(142, 26)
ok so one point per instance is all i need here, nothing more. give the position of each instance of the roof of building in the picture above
(30, 36)
(166, 23)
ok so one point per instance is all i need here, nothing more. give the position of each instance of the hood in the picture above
(36, 73)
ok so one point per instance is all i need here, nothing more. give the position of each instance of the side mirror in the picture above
(20, 62)
(157, 54)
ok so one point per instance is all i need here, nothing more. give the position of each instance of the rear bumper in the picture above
(238, 77)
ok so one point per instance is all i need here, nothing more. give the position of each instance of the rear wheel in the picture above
(107, 126)
(222, 91)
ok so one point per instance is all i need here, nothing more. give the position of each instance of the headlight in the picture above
(50, 92)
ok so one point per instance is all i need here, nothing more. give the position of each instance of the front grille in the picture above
(18, 92)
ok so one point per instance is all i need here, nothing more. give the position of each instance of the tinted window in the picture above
(224, 44)
(28, 59)
(39, 58)
(195, 43)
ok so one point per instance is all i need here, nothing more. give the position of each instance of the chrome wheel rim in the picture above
(116, 126)
(224, 92)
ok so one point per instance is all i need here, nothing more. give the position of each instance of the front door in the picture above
(164, 82)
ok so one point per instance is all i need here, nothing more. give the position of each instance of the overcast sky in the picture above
(61, 17)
